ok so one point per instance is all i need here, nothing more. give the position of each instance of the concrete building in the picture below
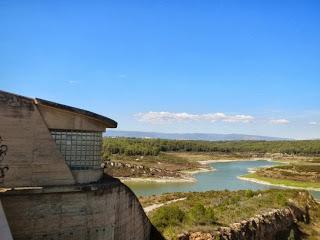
(52, 184)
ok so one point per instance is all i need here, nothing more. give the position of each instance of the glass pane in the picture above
(80, 149)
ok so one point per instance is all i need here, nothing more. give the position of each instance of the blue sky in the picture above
(213, 66)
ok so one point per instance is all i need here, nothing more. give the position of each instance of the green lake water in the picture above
(224, 177)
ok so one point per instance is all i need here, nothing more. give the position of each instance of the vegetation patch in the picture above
(206, 211)
(305, 175)
(152, 147)
(157, 199)
(285, 182)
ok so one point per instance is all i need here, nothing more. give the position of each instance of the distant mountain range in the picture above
(191, 136)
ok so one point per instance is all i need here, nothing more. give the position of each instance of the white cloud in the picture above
(279, 121)
(313, 123)
(163, 117)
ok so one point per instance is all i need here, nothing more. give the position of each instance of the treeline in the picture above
(136, 146)
(131, 146)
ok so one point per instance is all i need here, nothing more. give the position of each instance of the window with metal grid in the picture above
(81, 150)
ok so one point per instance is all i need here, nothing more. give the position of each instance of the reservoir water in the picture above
(224, 177)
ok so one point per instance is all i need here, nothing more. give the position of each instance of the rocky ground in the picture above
(275, 224)
(119, 169)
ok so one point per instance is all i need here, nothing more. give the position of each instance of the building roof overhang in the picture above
(108, 122)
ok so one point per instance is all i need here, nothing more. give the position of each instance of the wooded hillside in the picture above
(136, 146)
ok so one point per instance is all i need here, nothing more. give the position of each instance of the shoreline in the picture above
(206, 162)
(158, 180)
(189, 178)
(200, 170)
(277, 185)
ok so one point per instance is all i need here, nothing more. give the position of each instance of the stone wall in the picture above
(108, 211)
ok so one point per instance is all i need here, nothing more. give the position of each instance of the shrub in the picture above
(167, 216)
(201, 215)
(249, 193)
(170, 233)
(210, 215)
(281, 199)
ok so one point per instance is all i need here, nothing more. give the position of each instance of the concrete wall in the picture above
(108, 211)
(5, 233)
(31, 157)
(61, 119)
(63, 206)
(87, 176)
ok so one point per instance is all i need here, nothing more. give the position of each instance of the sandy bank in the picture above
(159, 180)
(199, 170)
(276, 185)
(206, 162)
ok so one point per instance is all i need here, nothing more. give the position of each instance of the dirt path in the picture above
(155, 206)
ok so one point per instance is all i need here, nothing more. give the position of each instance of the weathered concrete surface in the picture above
(31, 157)
(87, 176)
(60, 119)
(85, 115)
(108, 211)
(62, 205)
(5, 232)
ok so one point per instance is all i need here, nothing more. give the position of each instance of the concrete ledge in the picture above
(87, 176)
(103, 184)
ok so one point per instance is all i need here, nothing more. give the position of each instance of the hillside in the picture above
(270, 214)
(191, 136)
(135, 146)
